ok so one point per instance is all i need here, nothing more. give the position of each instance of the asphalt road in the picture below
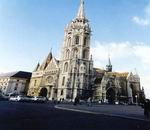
(124, 111)
(31, 116)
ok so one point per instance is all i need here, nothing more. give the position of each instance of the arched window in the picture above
(77, 38)
(35, 82)
(63, 81)
(83, 68)
(67, 54)
(75, 52)
(69, 41)
(66, 67)
(62, 92)
(85, 54)
(85, 41)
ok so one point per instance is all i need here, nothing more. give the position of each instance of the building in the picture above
(117, 86)
(14, 82)
(73, 75)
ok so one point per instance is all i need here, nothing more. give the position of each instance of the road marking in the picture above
(76, 110)
(98, 113)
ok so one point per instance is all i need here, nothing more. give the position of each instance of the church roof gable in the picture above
(53, 64)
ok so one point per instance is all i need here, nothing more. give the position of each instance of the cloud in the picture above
(125, 56)
(140, 21)
(145, 21)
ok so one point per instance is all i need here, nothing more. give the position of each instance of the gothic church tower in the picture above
(76, 65)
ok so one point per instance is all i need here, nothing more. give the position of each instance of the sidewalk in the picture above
(128, 112)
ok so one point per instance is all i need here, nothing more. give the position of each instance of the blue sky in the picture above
(30, 28)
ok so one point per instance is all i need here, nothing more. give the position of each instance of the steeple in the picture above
(47, 61)
(109, 62)
(49, 57)
(109, 66)
(81, 14)
(37, 67)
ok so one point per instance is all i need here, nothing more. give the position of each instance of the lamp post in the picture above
(136, 99)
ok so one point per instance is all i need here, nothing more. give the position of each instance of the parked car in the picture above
(13, 98)
(22, 98)
(116, 103)
(39, 99)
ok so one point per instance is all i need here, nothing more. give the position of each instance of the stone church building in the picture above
(123, 87)
(73, 75)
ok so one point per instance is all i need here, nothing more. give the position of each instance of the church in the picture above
(74, 75)
(121, 87)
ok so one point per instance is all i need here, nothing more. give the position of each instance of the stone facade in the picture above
(14, 82)
(73, 75)
(116, 86)
(44, 79)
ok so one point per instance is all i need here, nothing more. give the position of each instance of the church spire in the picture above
(47, 61)
(109, 62)
(81, 14)
(109, 66)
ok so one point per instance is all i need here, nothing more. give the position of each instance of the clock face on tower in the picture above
(50, 79)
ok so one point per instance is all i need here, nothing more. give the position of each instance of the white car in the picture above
(24, 98)
(39, 99)
(116, 103)
(13, 98)
(21, 98)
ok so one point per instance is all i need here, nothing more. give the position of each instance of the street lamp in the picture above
(136, 99)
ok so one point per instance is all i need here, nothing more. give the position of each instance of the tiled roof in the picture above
(18, 74)
(98, 70)
(118, 74)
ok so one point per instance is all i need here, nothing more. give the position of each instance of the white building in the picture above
(71, 76)
(14, 82)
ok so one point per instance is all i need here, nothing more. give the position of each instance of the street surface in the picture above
(126, 111)
(36, 116)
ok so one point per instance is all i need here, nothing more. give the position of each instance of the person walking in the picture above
(77, 101)
(146, 107)
(89, 101)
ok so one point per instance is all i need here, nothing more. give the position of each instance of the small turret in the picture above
(37, 67)
(109, 66)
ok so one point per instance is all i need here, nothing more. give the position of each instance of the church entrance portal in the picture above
(110, 95)
(43, 92)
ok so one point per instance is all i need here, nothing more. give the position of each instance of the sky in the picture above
(120, 28)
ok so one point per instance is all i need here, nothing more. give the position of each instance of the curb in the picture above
(98, 113)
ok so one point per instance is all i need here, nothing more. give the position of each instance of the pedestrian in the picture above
(89, 101)
(146, 107)
(76, 101)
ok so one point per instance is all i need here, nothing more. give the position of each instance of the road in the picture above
(31, 116)
(124, 111)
